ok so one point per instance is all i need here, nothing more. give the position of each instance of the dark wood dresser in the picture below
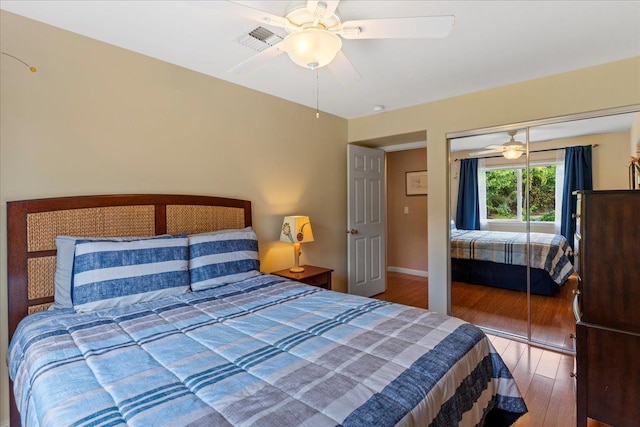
(607, 305)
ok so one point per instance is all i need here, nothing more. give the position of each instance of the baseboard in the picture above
(4, 423)
(420, 273)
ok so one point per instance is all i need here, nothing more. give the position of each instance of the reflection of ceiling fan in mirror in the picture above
(510, 150)
(314, 28)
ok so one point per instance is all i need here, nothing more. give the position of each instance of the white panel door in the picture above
(366, 221)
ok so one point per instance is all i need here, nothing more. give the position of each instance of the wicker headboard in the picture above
(32, 226)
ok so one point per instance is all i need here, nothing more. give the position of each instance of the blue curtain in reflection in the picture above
(468, 210)
(577, 176)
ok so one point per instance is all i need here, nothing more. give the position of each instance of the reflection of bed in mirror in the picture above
(499, 259)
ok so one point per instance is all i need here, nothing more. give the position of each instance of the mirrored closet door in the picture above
(488, 231)
(512, 226)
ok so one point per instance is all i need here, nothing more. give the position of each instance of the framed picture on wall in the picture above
(416, 183)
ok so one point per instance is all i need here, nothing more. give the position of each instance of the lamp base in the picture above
(296, 256)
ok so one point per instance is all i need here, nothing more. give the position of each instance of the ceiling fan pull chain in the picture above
(317, 95)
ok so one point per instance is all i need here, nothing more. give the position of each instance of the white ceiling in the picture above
(568, 129)
(493, 43)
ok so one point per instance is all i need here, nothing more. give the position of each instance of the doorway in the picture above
(407, 232)
(405, 219)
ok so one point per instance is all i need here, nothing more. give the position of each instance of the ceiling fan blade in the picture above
(482, 153)
(237, 9)
(257, 60)
(330, 6)
(343, 69)
(312, 5)
(495, 147)
(399, 28)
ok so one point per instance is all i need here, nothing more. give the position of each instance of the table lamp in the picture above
(296, 229)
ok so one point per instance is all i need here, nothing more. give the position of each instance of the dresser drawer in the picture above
(607, 374)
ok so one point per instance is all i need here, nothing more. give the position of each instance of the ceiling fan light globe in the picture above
(513, 149)
(312, 47)
(512, 153)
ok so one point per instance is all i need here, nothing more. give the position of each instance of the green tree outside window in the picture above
(502, 193)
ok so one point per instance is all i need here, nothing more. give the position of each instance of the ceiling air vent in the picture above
(259, 39)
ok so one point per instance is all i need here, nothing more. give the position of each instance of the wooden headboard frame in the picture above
(32, 226)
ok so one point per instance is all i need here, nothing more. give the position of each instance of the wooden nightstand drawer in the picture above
(314, 276)
(324, 280)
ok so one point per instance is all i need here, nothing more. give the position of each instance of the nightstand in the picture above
(315, 276)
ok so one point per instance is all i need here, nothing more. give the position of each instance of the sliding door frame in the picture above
(526, 125)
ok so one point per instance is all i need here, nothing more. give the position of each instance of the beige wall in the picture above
(610, 160)
(96, 119)
(634, 139)
(634, 144)
(406, 233)
(604, 86)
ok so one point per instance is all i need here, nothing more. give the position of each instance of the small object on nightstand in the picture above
(315, 276)
(293, 230)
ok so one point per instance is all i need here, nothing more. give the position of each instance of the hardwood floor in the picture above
(552, 319)
(543, 376)
(406, 289)
(544, 381)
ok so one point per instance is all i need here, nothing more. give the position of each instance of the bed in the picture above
(499, 259)
(236, 347)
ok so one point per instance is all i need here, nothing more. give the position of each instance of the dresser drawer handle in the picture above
(576, 307)
(575, 292)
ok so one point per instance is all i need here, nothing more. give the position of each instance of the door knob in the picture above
(352, 231)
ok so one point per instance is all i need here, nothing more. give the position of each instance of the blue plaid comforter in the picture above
(548, 252)
(266, 351)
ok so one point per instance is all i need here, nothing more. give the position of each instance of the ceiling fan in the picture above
(510, 150)
(315, 30)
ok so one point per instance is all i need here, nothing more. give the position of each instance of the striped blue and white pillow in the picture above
(222, 257)
(110, 274)
(65, 254)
